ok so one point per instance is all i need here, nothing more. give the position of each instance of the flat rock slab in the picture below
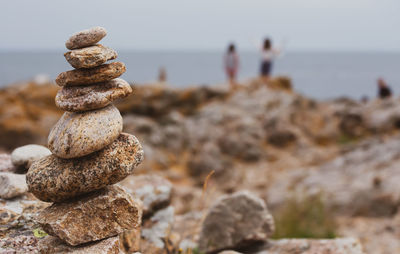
(86, 38)
(12, 185)
(95, 216)
(54, 179)
(97, 74)
(236, 221)
(83, 98)
(24, 156)
(79, 134)
(90, 57)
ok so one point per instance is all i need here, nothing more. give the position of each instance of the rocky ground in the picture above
(202, 143)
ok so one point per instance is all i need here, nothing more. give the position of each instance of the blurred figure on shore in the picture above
(268, 55)
(162, 75)
(384, 91)
(231, 61)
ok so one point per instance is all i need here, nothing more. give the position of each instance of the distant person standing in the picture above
(384, 91)
(231, 61)
(268, 54)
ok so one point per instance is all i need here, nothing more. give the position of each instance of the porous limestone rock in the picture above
(95, 216)
(55, 179)
(86, 38)
(236, 221)
(12, 185)
(97, 74)
(79, 134)
(90, 57)
(24, 156)
(83, 98)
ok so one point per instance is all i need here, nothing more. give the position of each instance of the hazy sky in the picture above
(204, 24)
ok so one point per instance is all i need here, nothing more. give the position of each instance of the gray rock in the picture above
(24, 156)
(12, 185)
(79, 134)
(158, 227)
(154, 191)
(97, 74)
(90, 57)
(84, 98)
(86, 38)
(236, 221)
(92, 217)
(6, 163)
(53, 179)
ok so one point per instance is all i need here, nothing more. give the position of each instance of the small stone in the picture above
(236, 221)
(12, 185)
(86, 38)
(157, 229)
(92, 217)
(24, 156)
(83, 98)
(6, 163)
(130, 240)
(90, 57)
(154, 191)
(79, 134)
(54, 179)
(229, 252)
(97, 74)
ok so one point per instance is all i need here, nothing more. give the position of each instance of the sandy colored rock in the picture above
(130, 240)
(54, 179)
(24, 156)
(79, 134)
(97, 74)
(236, 221)
(90, 57)
(92, 217)
(83, 98)
(86, 38)
(12, 185)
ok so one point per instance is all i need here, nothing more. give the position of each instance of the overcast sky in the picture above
(204, 24)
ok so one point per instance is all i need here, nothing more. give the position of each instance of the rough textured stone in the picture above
(54, 179)
(90, 57)
(154, 191)
(24, 156)
(6, 163)
(79, 134)
(86, 38)
(83, 98)
(97, 74)
(130, 240)
(12, 185)
(92, 217)
(236, 221)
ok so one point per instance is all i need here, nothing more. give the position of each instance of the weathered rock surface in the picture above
(154, 191)
(97, 74)
(90, 57)
(12, 185)
(24, 156)
(236, 221)
(130, 240)
(54, 179)
(83, 98)
(79, 134)
(86, 38)
(6, 163)
(92, 217)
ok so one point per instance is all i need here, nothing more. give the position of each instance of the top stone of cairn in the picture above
(85, 38)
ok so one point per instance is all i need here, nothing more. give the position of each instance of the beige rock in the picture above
(55, 179)
(12, 185)
(83, 98)
(130, 240)
(90, 57)
(86, 38)
(79, 134)
(92, 217)
(24, 156)
(97, 74)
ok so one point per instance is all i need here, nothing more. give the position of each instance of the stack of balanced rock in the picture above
(89, 152)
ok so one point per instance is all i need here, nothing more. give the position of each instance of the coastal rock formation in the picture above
(79, 134)
(92, 217)
(236, 221)
(90, 57)
(81, 98)
(93, 75)
(24, 156)
(86, 38)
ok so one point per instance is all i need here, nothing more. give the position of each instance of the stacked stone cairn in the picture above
(89, 151)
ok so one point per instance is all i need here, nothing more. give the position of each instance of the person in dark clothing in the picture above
(384, 90)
